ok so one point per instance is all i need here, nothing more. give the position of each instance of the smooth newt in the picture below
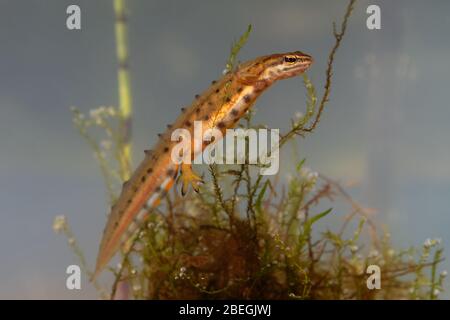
(220, 106)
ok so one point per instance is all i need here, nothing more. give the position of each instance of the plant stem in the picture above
(124, 89)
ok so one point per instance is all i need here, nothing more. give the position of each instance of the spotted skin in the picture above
(220, 106)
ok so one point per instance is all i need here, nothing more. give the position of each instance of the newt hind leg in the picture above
(189, 177)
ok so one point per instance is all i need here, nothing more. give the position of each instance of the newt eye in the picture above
(290, 59)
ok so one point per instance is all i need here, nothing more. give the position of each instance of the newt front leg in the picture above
(189, 177)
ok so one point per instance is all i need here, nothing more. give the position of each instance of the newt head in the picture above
(274, 67)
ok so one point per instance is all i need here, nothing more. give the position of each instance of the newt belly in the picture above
(220, 107)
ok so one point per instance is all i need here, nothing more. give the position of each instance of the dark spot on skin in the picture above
(234, 112)
(149, 170)
(221, 124)
(217, 90)
(239, 90)
(206, 117)
(197, 110)
(228, 99)
(183, 109)
(213, 82)
(143, 178)
(197, 96)
(247, 98)
(170, 172)
(129, 201)
(210, 103)
(188, 123)
(166, 149)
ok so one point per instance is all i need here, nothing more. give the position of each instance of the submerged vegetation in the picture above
(247, 236)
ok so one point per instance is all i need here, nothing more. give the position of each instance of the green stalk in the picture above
(124, 89)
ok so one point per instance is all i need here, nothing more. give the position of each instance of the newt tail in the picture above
(219, 107)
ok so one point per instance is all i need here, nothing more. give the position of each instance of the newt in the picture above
(220, 107)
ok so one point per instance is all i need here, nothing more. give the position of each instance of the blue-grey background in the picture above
(386, 126)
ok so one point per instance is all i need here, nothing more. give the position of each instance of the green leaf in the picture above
(237, 46)
(299, 165)
(318, 216)
(307, 227)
